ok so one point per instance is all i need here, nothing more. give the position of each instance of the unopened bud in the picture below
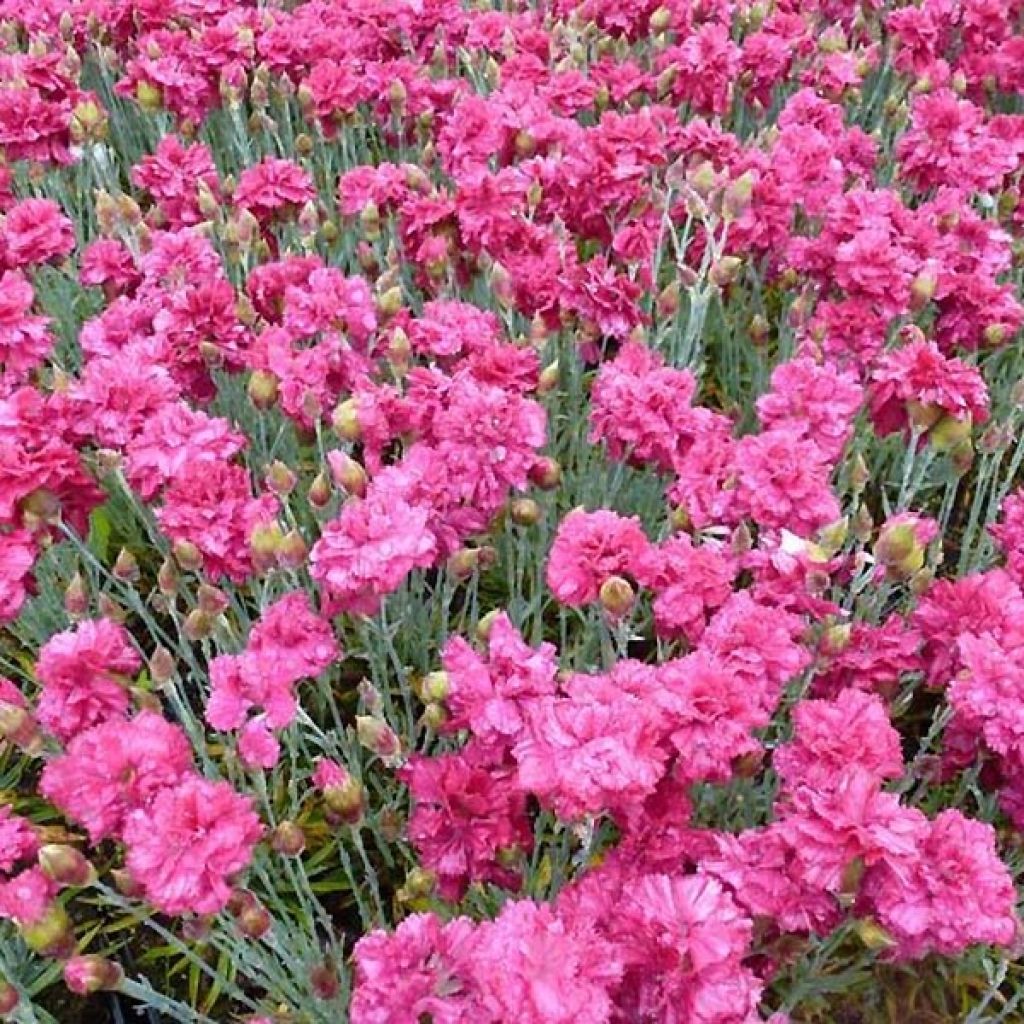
(389, 302)
(211, 600)
(345, 420)
(951, 433)
(167, 578)
(668, 299)
(873, 935)
(347, 473)
(126, 567)
(161, 666)
(319, 494)
(616, 596)
(110, 609)
(91, 973)
(434, 717)
(346, 801)
(548, 380)
(463, 563)
(253, 920)
(435, 686)
(724, 270)
(280, 479)
(288, 839)
(524, 512)
(661, 18)
(737, 196)
(545, 473)
(188, 556)
(325, 982)
(483, 627)
(265, 543)
(377, 736)
(262, 389)
(9, 998)
(76, 597)
(292, 551)
(65, 865)
(198, 624)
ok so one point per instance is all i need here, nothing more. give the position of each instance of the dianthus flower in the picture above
(465, 816)
(818, 401)
(851, 732)
(84, 673)
(917, 384)
(488, 694)
(423, 968)
(535, 968)
(1009, 534)
(115, 768)
(35, 231)
(25, 339)
(210, 505)
(17, 557)
(868, 657)
(782, 481)
(588, 548)
(368, 550)
(186, 846)
(177, 436)
(18, 839)
(272, 187)
(952, 893)
(641, 408)
(689, 582)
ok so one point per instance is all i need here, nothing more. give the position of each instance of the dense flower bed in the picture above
(511, 512)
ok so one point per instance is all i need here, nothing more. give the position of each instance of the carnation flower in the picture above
(17, 558)
(465, 816)
(188, 844)
(953, 892)
(588, 548)
(83, 672)
(368, 550)
(115, 768)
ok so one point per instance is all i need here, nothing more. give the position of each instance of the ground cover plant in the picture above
(511, 511)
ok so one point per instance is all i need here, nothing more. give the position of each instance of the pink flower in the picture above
(211, 505)
(689, 582)
(17, 558)
(273, 186)
(782, 481)
(641, 409)
(424, 968)
(368, 550)
(818, 401)
(35, 231)
(465, 816)
(832, 737)
(27, 896)
(185, 848)
(83, 672)
(588, 548)
(868, 657)
(19, 840)
(535, 968)
(953, 893)
(489, 694)
(25, 339)
(917, 383)
(1009, 533)
(115, 768)
(257, 746)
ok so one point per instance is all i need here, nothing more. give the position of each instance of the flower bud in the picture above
(265, 543)
(188, 556)
(262, 389)
(548, 380)
(616, 596)
(345, 420)
(725, 270)
(18, 726)
(377, 736)
(76, 597)
(110, 609)
(419, 884)
(251, 917)
(161, 666)
(389, 302)
(198, 624)
(668, 299)
(435, 686)
(319, 494)
(661, 18)
(211, 599)
(434, 717)
(9, 998)
(873, 935)
(347, 473)
(293, 550)
(51, 935)
(280, 479)
(524, 512)
(463, 563)
(545, 473)
(346, 801)
(325, 982)
(483, 627)
(950, 433)
(167, 578)
(149, 97)
(90, 973)
(288, 839)
(65, 865)
(737, 196)
(901, 544)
